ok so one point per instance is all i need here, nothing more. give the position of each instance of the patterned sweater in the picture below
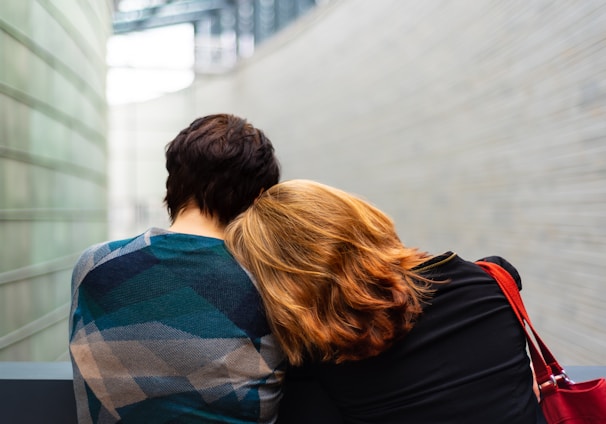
(168, 328)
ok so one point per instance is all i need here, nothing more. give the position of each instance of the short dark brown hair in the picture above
(220, 162)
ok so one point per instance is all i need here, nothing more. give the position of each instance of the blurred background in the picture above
(480, 127)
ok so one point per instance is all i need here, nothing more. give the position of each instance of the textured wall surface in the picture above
(53, 160)
(480, 126)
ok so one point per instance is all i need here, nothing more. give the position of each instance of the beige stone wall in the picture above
(480, 126)
(53, 164)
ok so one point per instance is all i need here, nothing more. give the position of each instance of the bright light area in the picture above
(147, 64)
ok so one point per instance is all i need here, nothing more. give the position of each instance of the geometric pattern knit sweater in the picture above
(168, 328)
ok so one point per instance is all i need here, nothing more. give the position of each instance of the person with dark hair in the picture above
(167, 327)
(390, 333)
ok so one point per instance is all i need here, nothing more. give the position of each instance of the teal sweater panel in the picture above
(168, 328)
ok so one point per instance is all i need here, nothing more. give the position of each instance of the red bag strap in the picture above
(546, 367)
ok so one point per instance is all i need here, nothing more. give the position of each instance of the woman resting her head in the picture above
(392, 333)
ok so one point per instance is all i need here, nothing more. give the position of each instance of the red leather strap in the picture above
(545, 365)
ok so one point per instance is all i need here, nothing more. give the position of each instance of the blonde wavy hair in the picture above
(335, 279)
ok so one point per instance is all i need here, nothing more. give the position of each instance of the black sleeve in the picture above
(305, 400)
(507, 266)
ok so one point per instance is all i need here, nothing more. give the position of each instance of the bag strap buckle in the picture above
(551, 385)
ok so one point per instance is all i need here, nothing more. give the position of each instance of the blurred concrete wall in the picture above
(53, 159)
(480, 126)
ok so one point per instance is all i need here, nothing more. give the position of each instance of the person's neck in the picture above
(193, 221)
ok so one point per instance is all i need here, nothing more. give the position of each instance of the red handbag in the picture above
(562, 400)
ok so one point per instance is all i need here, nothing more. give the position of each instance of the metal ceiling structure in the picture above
(168, 12)
(221, 27)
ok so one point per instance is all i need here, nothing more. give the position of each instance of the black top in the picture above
(463, 362)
